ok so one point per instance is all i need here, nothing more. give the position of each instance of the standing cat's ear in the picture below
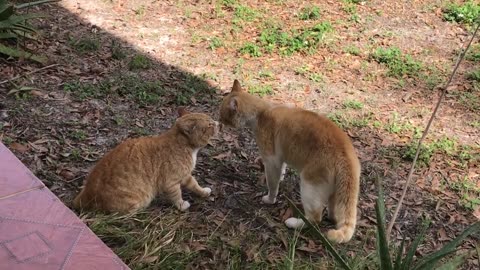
(182, 111)
(233, 104)
(236, 86)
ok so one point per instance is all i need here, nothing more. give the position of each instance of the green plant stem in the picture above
(425, 132)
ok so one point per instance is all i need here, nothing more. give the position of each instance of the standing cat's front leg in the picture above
(262, 178)
(174, 193)
(273, 172)
(191, 184)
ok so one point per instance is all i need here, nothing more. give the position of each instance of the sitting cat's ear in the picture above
(182, 111)
(187, 127)
(236, 86)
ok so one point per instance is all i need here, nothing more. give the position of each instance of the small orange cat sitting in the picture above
(130, 176)
(310, 143)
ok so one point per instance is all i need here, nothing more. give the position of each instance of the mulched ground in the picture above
(92, 98)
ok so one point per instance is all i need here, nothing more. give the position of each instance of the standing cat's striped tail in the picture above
(347, 186)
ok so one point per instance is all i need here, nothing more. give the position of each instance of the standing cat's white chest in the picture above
(194, 156)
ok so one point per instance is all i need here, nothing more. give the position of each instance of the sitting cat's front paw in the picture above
(266, 199)
(183, 205)
(207, 191)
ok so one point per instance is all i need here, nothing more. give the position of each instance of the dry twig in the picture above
(28, 73)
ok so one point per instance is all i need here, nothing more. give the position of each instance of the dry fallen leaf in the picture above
(223, 155)
(476, 213)
(149, 259)
(18, 147)
(443, 235)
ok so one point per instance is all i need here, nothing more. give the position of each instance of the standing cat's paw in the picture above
(266, 199)
(294, 223)
(207, 191)
(183, 205)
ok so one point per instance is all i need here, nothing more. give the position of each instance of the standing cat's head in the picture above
(199, 128)
(238, 108)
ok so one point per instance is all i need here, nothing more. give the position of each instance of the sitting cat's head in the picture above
(199, 128)
(238, 107)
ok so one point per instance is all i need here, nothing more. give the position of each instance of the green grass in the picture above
(275, 40)
(350, 7)
(446, 146)
(309, 13)
(432, 77)
(465, 13)
(468, 191)
(311, 75)
(143, 92)
(266, 74)
(261, 90)
(289, 260)
(396, 126)
(398, 64)
(474, 53)
(353, 104)
(229, 3)
(79, 135)
(140, 11)
(474, 75)
(251, 49)
(347, 121)
(215, 43)
(76, 154)
(139, 61)
(117, 52)
(244, 13)
(85, 44)
(470, 100)
(353, 50)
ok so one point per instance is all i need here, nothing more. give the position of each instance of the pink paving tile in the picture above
(14, 176)
(37, 231)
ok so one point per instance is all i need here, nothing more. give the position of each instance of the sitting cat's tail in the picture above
(345, 204)
(78, 203)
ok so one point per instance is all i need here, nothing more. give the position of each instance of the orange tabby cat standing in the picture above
(130, 176)
(313, 145)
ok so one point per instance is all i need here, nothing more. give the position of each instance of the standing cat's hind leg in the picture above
(315, 196)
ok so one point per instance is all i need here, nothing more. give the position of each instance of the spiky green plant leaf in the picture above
(432, 259)
(382, 243)
(398, 260)
(407, 261)
(6, 12)
(454, 263)
(316, 231)
(7, 35)
(19, 53)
